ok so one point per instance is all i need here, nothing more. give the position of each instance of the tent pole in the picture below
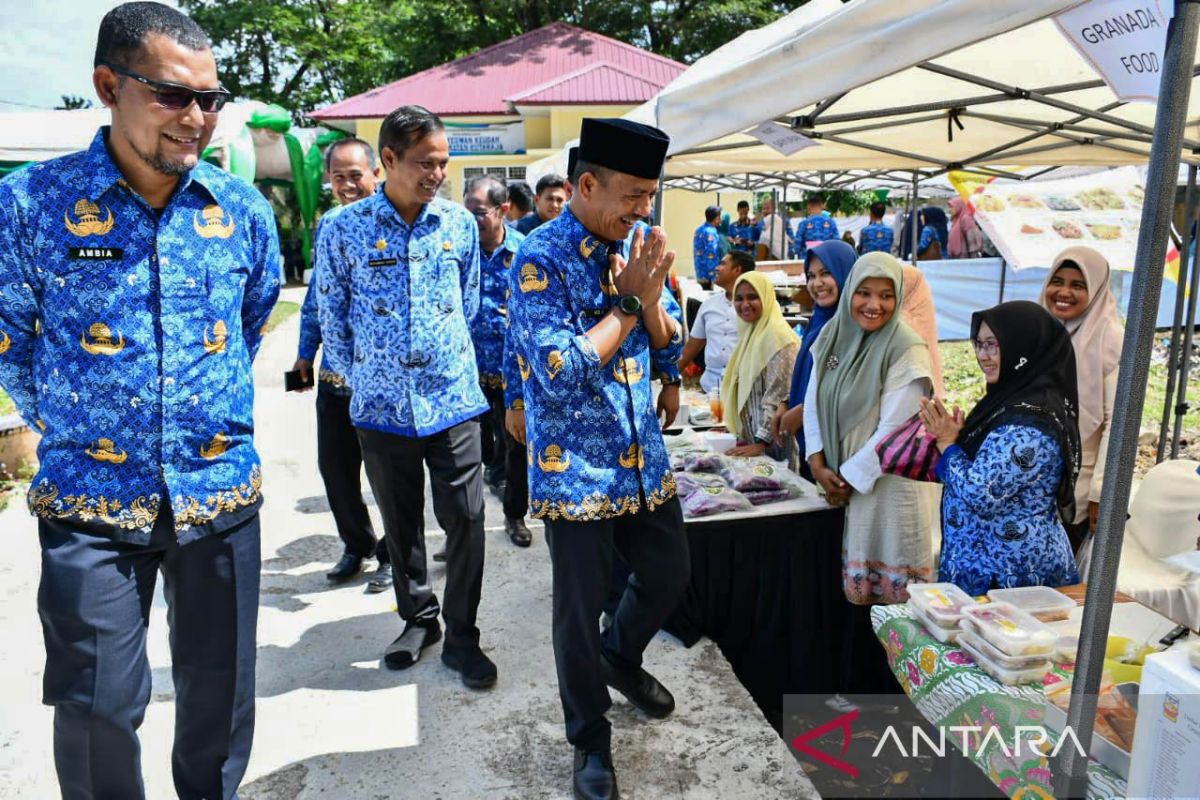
(912, 218)
(1070, 768)
(1185, 354)
(1174, 359)
(1003, 278)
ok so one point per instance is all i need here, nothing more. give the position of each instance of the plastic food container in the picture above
(1042, 602)
(1009, 677)
(1010, 630)
(945, 635)
(1068, 647)
(981, 646)
(942, 603)
(720, 442)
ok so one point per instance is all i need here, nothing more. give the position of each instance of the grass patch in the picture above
(964, 386)
(7, 406)
(283, 309)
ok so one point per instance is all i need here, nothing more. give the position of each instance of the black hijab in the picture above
(1037, 386)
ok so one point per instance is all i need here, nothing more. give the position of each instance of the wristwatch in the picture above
(629, 304)
(667, 380)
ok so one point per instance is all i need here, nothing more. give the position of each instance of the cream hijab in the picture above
(1097, 335)
(757, 344)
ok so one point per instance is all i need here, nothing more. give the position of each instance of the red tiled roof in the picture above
(599, 83)
(558, 64)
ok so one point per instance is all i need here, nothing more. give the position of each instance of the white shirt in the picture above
(775, 235)
(716, 324)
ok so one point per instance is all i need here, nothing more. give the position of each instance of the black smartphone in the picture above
(293, 382)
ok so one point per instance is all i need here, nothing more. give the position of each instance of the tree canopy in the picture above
(304, 54)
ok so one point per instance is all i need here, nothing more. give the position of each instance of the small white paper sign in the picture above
(1123, 40)
(781, 139)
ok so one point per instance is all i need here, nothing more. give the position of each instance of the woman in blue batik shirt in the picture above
(1009, 468)
(934, 228)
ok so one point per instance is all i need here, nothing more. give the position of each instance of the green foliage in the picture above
(7, 406)
(303, 54)
(71, 102)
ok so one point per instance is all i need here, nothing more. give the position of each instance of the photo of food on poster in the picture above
(1031, 222)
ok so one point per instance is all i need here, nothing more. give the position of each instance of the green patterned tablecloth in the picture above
(948, 689)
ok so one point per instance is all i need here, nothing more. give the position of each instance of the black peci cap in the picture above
(623, 146)
(572, 160)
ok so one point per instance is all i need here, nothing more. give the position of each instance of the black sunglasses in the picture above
(176, 96)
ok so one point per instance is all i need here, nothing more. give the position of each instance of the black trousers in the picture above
(94, 602)
(654, 546)
(505, 456)
(394, 469)
(339, 459)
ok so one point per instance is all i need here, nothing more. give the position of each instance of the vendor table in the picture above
(766, 587)
(948, 689)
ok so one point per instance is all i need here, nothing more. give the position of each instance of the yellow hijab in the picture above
(757, 343)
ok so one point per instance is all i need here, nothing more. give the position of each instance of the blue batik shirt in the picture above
(394, 309)
(310, 328)
(876, 238)
(487, 329)
(751, 231)
(817, 228)
(126, 338)
(594, 446)
(706, 251)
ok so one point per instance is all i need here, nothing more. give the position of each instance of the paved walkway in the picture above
(334, 723)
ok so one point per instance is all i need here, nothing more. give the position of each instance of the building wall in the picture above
(683, 211)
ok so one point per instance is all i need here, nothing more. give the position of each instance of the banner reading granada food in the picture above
(1031, 222)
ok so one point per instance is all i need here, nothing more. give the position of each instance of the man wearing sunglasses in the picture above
(134, 284)
(486, 198)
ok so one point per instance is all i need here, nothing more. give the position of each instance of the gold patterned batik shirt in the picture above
(595, 450)
(126, 339)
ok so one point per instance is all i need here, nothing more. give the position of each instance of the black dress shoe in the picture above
(518, 532)
(381, 579)
(477, 670)
(346, 568)
(406, 650)
(639, 687)
(594, 777)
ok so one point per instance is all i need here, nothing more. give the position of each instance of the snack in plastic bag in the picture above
(714, 500)
(750, 475)
(688, 482)
(762, 496)
(707, 461)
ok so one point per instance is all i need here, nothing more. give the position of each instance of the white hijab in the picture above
(1097, 335)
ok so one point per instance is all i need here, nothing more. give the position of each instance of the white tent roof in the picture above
(902, 85)
(42, 135)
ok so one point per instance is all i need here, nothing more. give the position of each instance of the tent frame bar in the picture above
(1175, 356)
(1070, 767)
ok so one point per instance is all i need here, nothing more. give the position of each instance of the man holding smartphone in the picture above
(399, 276)
(353, 175)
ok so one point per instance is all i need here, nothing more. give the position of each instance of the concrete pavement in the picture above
(333, 722)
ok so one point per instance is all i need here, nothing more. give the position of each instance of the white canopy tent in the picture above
(42, 135)
(887, 85)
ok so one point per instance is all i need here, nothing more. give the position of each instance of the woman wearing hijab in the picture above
(1009, 468)
(826, 268)
(933, 229)
(1077, 293)
(760, 370)
(966, 239)
(870, 373)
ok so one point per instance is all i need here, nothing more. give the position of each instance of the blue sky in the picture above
(48, 49)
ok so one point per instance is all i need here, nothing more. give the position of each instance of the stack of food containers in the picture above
(1041, 602)
(1007, 643)
(939, 607)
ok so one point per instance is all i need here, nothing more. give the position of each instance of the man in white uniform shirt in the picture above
(776, 233)
(715, 329)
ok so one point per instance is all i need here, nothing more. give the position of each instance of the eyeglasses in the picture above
(176, 96)
(987, 349)
(480, 213)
